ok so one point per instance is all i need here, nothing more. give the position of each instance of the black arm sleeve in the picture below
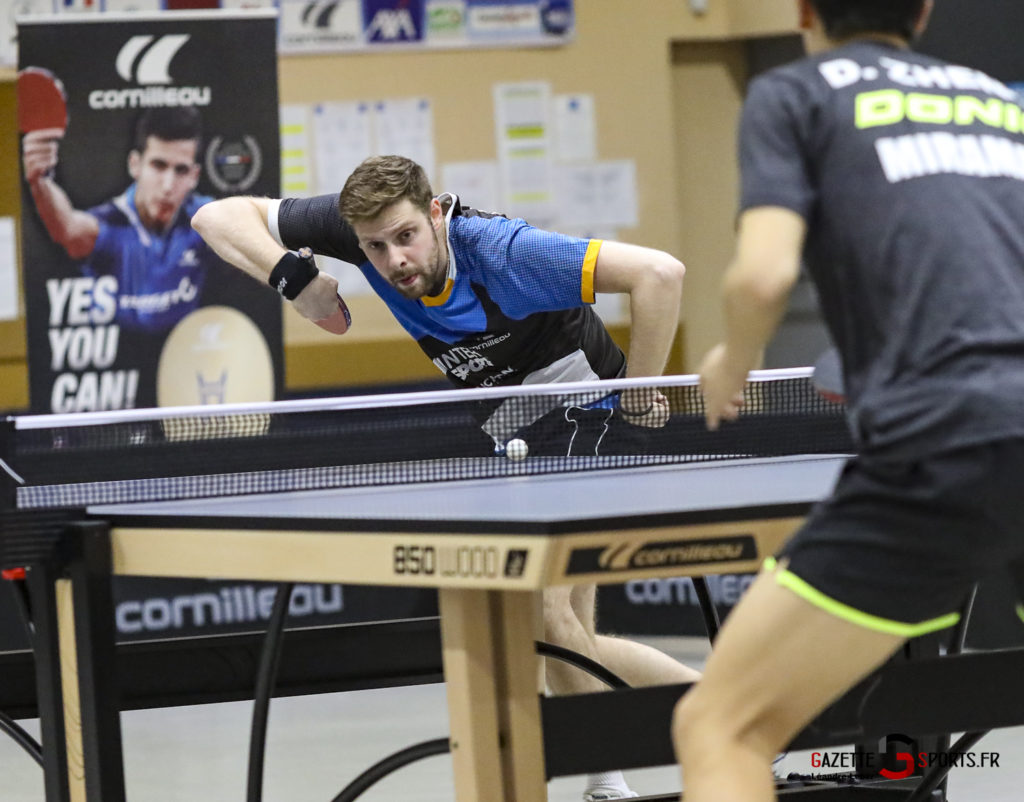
(315, 223)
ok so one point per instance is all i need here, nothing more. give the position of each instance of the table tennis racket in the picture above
(42, 101)
(828, 377)
(338, 322)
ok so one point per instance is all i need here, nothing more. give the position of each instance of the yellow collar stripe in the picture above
(441, 298)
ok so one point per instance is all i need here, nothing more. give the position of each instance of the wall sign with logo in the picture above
(325, 26)
(330, 25)
(122, 141)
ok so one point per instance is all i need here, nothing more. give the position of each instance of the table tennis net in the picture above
(74, 461)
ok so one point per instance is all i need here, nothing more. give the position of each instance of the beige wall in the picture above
(667, 86)
(708, 81)
(13, 375)
(762, 17)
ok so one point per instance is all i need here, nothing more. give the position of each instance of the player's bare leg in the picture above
(641, 665)
(564, 627)
(569, 616)
(778, 661)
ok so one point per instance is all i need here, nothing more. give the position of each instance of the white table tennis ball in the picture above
(516, 450)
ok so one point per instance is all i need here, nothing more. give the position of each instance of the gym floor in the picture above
(318, 744)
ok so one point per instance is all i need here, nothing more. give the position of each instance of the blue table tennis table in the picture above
(490, 546)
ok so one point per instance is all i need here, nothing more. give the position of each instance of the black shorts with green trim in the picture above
(899, 544)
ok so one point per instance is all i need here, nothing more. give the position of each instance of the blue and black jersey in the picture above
(516, 306)
(160, 276)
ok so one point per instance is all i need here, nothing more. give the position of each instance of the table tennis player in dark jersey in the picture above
(900, 181)
(492, 302)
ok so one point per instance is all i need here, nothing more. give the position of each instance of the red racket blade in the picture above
(42, 101)
(339, 322)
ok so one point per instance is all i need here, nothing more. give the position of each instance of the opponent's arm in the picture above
(755, 290)
(76, 231)
(654, 281)
(237, 229)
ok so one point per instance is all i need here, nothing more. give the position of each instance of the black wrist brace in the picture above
(293, 273)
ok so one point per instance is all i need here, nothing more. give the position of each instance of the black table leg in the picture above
(99, 696)
(41, 580)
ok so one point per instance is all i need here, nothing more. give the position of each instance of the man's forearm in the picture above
(236, 229)
(758, 282)
(654, 313)
(754, 308)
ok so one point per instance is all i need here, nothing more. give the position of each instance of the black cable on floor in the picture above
(707, 607)
(592, 667)
(441, 745)
(383, 768)
(21, 738)
(266, 677)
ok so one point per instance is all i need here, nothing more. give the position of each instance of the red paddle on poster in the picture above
(42, 101)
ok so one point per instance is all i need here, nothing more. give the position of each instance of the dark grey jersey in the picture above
(910, 175)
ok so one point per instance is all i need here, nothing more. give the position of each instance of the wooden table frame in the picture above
(490, 589)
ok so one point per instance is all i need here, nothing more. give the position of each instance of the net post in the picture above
(8, 483)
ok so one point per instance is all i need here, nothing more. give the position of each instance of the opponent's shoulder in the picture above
(796, 82)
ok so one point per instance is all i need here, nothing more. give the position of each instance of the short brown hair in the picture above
(381, 181)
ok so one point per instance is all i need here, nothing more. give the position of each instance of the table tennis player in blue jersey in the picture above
(492, 302)
(142, 237)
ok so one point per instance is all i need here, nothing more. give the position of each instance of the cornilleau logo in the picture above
(146, 60)
(628, 555)
(318, 13)
(617, 557)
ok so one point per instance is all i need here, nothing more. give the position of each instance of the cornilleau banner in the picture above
(148, 609)
(129, 124)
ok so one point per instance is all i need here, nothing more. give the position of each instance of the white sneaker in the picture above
(602, 793)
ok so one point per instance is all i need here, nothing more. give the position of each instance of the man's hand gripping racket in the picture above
(320, 301)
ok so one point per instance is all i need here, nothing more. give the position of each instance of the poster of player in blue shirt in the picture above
(126, 305)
